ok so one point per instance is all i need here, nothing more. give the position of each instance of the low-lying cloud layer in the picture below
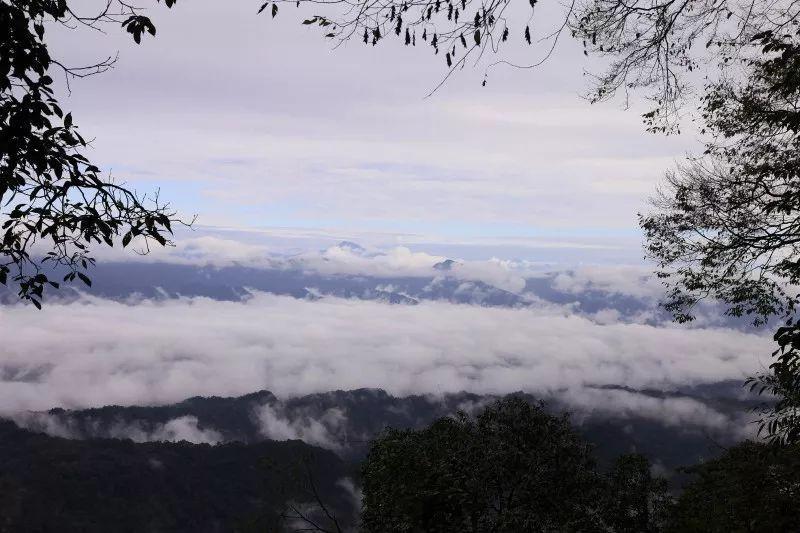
(678, 413)
(95, 352)
(317, 430)
(183, 428)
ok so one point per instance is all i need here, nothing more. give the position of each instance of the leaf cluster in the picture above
(54, 202)
(726, 225)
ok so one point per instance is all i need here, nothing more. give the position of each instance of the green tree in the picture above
(513, 468)
(637, 502)
(752, 487)
(727, 224)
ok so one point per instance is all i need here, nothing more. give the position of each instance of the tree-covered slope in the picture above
(102, 485)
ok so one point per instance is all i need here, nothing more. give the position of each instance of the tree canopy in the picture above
(511, 468)
(752, 487)
(727, 224)
(515, 468)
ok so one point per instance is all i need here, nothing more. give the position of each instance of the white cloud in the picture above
(505, 275)
(184, 428)
(45, 423)
(97, 352)
(178, 429)
(354, 491)
(400, 261)
(397, 261)
(202, 250)
(216, 251)
(681, 413)
(608, 316)
(317, 430)
(631, 280)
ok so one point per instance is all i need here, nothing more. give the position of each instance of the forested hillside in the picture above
(52, 484)
(430, 471)
(347, 421)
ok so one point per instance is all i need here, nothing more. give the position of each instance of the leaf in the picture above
(274, 10)
(262, 8)
(84, 278)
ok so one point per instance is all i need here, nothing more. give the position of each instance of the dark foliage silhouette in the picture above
(726, 225)
(636, 501)
(752, 487)
(512, 468)
(649, 45)
(54, 203)
(102, 485)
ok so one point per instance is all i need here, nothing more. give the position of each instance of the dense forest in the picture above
(100, 485)
(348, 421)
(418, 468)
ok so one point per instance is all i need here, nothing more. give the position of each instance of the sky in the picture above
(255, 123)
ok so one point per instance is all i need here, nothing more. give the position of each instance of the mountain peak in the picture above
(445, 265)
(352, 246)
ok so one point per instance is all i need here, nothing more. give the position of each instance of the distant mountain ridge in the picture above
(444, 281)
(346, 421)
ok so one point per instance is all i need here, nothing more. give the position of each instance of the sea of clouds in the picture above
(96, 351)
(90, 350)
